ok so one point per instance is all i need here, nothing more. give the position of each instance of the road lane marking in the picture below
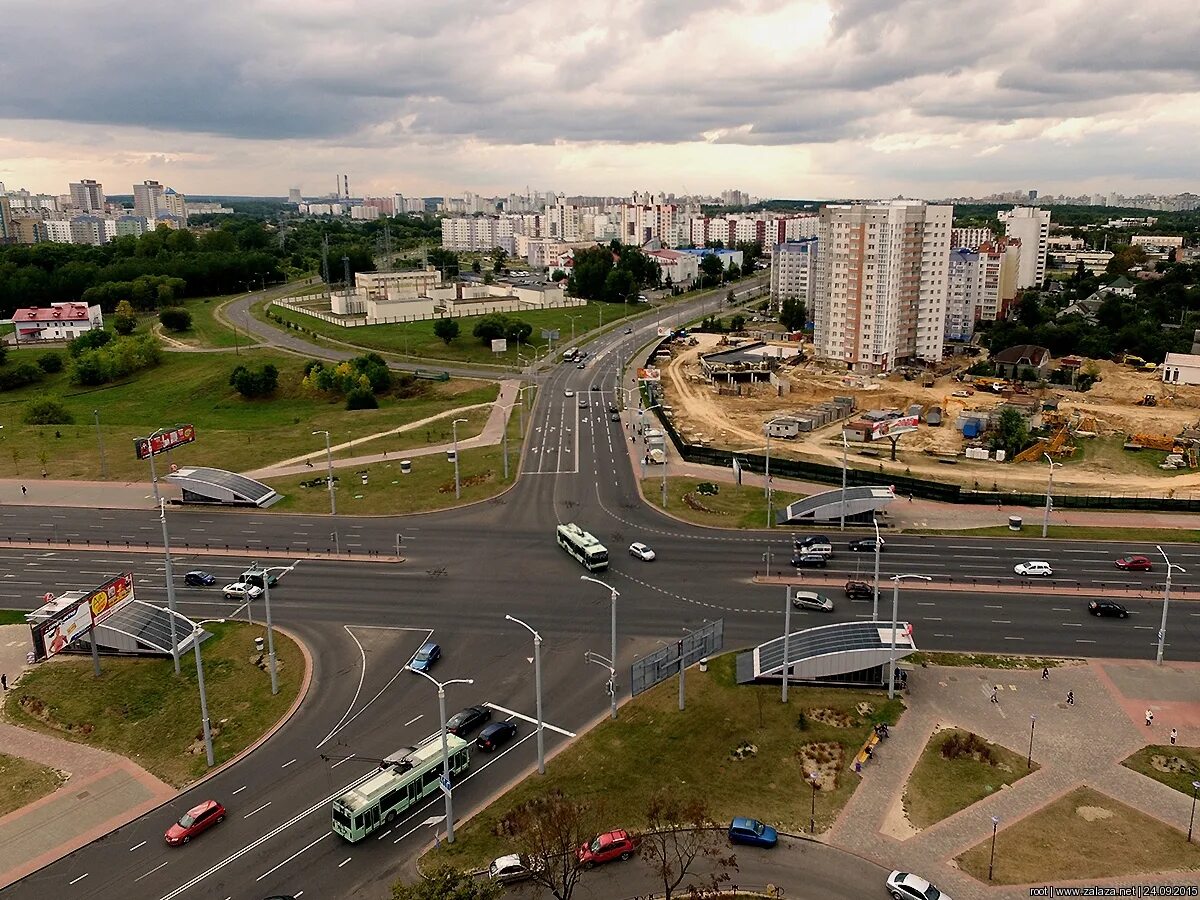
(1001, 621)
(1072, 624)
(135, 846)
(340, 761)
(288, 763)
(260, 809)
(344, 861)
(151, 872)
(524, 718)
(239, 790)
(80, 878)
(293, 856)
(413, 719)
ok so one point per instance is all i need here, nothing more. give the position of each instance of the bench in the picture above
(865, 753)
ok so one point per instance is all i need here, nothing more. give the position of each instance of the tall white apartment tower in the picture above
(88, 195)
(881, 283)
(147, 199)
(1031, 226)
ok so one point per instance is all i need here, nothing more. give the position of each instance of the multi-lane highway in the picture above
(464, 571)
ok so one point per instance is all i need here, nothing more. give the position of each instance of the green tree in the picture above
(518, 332)
(252, 383)
(47, 410)
(3, 352)
(446, 329)
(490, 327)
(737, 323)
(124, 318)
(445, 883)
(1029, 310)
(476, 267)
(590, 272)
(501, 257)
(793, 314)
(1011, 432)
(50, 363)
(175, 318)
(361, 398)
(89, 340)
(444, 260)
(712, 268)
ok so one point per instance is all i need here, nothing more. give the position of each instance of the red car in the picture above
(606, 847)
(195, 820)
(1134, 563)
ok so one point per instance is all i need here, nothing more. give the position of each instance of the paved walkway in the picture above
(1080, 745)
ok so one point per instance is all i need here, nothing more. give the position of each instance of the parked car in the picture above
(906, 886)
(513, 867)
(614, 416)
(752, 832)
(199, 579)
(239, 590)
(641, 551)
(465, 721)
(811, 600)
(1034, 567)
(864, 545)
(1135, 563)
(256, 579)
(606, 847)
(426, 656)
(1107, 608)
(814, 543)
(809, 561)
(196, 820)
(859, 590)
(495, 736)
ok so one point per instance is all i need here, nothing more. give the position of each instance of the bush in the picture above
(967, 746)
(3, 352)
(47, 410)
(89, 340)
(175, 318)
(50, 363)
(116, 360)
(124, 325)
(19, 376)
(446, 329)
(361, 398)
(251, 384)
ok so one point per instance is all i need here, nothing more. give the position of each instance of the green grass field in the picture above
(733, 506)
(12, 617)
(22, 782)
(1176, 767)
(652, 745)
(206, 331)
(1109, 453)
(232, 433)
(140, 709)
(985, 660)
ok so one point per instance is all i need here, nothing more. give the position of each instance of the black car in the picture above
(462, 723)
(809, 561)
(614, 416)
(495, 736)
(864, 545)
(199, 579)
(256, 579)
(1107, 608)
(859, 590)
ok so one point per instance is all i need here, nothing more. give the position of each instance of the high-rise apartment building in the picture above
(173, 204)
(768, 229)
(1031, 226)
(970, 238)
(8, 234)
(478, 233)
(147, 199)
(880, 294)
(646, 218)
(793, 265)
(982, 282)
(294, 195)
(565, 221)
(87, 195)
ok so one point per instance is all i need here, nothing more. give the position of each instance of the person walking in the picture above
(1149, 717)
(4, 685)
(995, 694)
(1045, 673)
(23, 491)
(1070, 698)
(1174, 736)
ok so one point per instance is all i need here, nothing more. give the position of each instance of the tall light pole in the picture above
(503, 438)
(329, 483)
(204, 721)
(1192, 818)
(573, 318)
(787, 631)
(613, 595)
(896, 579)
(1029, 756)
(992, 858)
(845, 447)
(162, 517)
(812, 814)
(265, 573)
(537, 681)
(1049, 491)
(767, 472)
(441, 686)
(100, 442)
(878, 548)
(457, 483)
(1162, 628)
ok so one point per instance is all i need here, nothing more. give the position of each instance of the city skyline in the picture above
(857, 98)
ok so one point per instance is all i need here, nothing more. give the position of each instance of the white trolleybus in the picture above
(404, 779)
(591, 554)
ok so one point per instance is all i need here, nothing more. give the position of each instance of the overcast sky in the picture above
(843, 98)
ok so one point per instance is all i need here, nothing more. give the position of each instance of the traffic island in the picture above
(140, 709)
(1083, 835)
(1175, 766)
(716, 505)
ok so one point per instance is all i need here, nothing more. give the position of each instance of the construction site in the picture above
(1128, 434)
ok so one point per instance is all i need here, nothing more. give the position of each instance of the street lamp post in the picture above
(613, 595)
(1029, 757)
(204, 721)
(503, 439)
(457, 483)
(537, 681)
(162, 517)
(896, 579)
(767, 473)
(265, 573)
(1049, 491)
(573, 318)
(1162, 628)
(878, 548)
(787, 630)
(992, 858)
(441, 686)
(329, 483)
(845, 447)
(812, 814)
(1192, 818)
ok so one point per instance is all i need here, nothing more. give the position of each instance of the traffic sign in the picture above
(444, 783)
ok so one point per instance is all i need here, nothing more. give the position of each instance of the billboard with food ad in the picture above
(110, 596)
(167, 440)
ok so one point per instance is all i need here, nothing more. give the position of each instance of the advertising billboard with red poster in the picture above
(167, 440)
(110, 596)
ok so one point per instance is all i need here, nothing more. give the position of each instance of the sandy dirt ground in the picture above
(734, 422)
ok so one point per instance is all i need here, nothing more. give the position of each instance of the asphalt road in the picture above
(465, 570)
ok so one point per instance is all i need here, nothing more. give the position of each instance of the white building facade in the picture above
(793, 272)
(1031, 226)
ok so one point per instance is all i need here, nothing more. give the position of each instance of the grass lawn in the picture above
(653, 745)
(206, 331)
(939, 787)
(1076, 533)
(1080, 836)
(1109, 452)
(985, 660)
(232, 433)
(436, 432)
(12, 617)
(1175, 767)
(140, 709)
(416, 340)
(22, 782)
(734, 506)
(429, 486)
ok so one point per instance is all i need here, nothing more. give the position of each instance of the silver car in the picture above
(811, 600)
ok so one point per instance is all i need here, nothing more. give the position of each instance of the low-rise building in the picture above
(57, 322)
(1181, 368)
(1015, 362)
(681, 268)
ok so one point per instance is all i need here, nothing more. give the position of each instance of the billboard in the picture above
(499, 345)
(161, 443)
(649, 374)
(894, 427)
(55, 635)
(110, 596)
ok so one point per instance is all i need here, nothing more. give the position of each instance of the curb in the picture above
(1079, 590)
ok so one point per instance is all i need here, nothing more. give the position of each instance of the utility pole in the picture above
(162, 517)
(787, 630)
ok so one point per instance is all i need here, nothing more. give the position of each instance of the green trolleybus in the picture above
(402, 781)
(591, 554)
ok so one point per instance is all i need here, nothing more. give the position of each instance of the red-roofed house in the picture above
(682, 267)
(58, 322)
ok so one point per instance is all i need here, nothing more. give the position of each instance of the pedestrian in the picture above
(4, 686)
(995, 694)
(1070, 698)
(23, 491)
(1149, 717)
(910, 497)
(1174, 735)
(1045, 673)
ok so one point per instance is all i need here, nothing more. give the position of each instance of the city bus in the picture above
(591, 554)
(404, 779)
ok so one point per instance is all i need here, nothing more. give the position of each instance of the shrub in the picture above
(89, 340)
(251, 384)
(361, 398)
(19, 376)
(967, 745)
(47, 410)
(175, 318)
(116, 360)
(446, 329)
(3, 352)
(50, 363)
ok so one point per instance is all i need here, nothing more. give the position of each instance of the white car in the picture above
(513, 867)
(1034, 567)
(811, 600)
(641, 551)
(239, 590)
(906, 886)
(568, 393)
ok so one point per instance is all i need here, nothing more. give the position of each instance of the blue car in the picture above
(426, 657)
(752, 833)
(199, 579)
